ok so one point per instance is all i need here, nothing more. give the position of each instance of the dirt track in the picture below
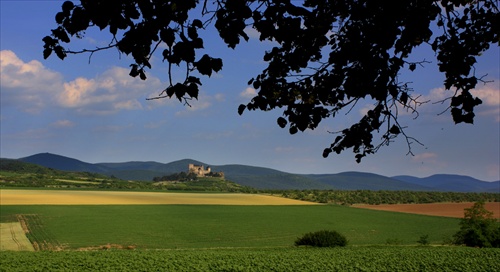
(437, 209)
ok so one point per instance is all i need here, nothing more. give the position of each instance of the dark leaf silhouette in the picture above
(326, 55)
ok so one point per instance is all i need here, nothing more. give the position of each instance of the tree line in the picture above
(181, 176)
(386, 197)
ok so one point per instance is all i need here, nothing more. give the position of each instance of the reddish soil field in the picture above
(436, 209)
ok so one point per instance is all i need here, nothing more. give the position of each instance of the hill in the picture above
(367, 181)
(455, 183)
(63, 163)
(266, 178)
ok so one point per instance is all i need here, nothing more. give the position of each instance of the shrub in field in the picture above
(424, 240)
(322, 238)
(478, 228)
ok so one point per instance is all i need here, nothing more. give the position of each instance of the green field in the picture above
(213, 226)
(285, 259)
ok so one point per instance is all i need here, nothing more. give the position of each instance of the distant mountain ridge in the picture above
(267, 178)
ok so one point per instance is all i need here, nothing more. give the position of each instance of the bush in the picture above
(424, 240)
(478, 228)
(322, 238)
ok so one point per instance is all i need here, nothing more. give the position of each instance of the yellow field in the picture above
(12, 237)
(63, 197)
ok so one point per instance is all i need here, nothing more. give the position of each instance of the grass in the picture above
(214, 226)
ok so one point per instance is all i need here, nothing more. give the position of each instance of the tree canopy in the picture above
(328, 54)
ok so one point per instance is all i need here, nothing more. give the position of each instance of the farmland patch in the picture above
(12, 237)
(437, 209)
(73, 197)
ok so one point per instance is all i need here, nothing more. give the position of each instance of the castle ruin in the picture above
(200, 171)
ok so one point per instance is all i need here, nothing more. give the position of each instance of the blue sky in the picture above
(95, 112)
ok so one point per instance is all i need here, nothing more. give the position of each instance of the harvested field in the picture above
(12, 237)
(436, 209)
(68, 197)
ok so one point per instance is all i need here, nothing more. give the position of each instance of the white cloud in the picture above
(220, 97)
(214, 136)
(488, 94)
(248, 93)
(284, 149)
(63, 124)
(252, 33)
(33, 87)
(111, 128)
(427, 156)
(27, 85)
(109, 92)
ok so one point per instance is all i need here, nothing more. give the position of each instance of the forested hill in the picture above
(266, 178)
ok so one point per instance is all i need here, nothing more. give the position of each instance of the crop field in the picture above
(284, 259)
(74, 197)
(136, 231)
(436, 209)
(12, 237)
(213, 226)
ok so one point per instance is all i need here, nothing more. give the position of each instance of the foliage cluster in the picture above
(478, 228)
(385, 197)
(326, 56)
(275, 259)
(322, 238)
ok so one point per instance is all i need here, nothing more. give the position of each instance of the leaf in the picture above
(197, 23)
(60, 52)
(241, 109)
(192, 33)
(395, 130)
(60, 16)
(192, 90)
(193, 79)
(134, 71)
(282, 122)
(167, 35)
(142, 75)
(216, 64)
(47, 52)
(403, 98)
(326, 152)
(166, 54)
(185, 51)
(197, 43)
(67, 6)
(204, 65)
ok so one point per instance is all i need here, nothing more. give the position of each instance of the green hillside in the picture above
(16, 173)
(266, 178)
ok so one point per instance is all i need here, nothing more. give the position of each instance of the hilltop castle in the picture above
(200, 171)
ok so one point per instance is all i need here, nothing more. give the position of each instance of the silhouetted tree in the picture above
(328, 55)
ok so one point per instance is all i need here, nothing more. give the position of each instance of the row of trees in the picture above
(181, 176)
(386, 197)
